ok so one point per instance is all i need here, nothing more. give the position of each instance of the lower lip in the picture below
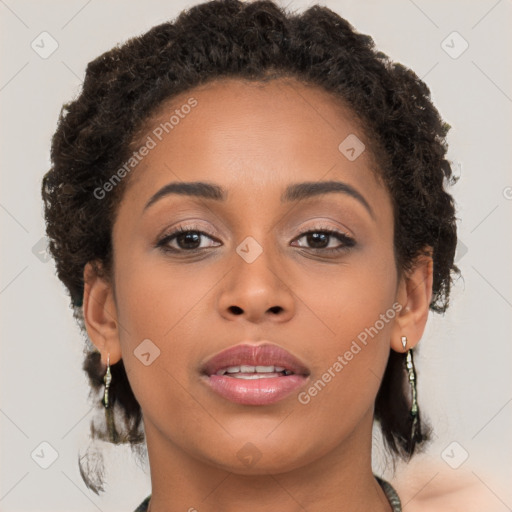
(255, 391)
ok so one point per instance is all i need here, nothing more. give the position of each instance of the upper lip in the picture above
(262, 354)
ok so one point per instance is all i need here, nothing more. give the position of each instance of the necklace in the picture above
(388, 489)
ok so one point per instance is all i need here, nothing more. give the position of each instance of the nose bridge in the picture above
(257, 260)
(256, 234)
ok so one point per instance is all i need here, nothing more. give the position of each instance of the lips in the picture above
(254, 374)
(263, 355)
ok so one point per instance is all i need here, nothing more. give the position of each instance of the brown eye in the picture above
(319, 239)
(184, 239)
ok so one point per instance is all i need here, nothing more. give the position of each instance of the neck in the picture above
(341, 479)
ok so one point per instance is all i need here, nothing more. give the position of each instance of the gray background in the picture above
(465, 357)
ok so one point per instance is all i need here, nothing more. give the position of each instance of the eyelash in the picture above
(347, 241)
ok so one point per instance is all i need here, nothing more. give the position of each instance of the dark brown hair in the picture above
(255, 41)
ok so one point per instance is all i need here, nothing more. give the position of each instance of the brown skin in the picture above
(254, 140)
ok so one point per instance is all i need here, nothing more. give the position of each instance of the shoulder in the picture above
(430, 485)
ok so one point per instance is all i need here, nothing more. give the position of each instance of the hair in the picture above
(255, 41)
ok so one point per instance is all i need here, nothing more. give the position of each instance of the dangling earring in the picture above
(411, 371)
(109, 414)
(107, 379)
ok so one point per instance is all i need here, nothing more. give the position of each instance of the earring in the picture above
(107, 380)
(411, 371)
(109, 414)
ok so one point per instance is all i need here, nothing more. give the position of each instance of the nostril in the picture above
(236, 310)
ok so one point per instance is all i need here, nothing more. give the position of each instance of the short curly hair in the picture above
(256, 41)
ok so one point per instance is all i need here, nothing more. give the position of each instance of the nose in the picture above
(257, 290)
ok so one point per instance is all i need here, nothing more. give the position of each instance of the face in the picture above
(247, 271)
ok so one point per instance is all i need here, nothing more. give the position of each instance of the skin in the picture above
(254, 140)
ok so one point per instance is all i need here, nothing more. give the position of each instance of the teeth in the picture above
(265, 369)
(255, 376)
(248, 369)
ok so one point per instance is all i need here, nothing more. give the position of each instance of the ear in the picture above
(100, 314)
(414, 293)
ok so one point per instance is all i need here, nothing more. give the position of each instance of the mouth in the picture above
(254, 374)
(249, 372)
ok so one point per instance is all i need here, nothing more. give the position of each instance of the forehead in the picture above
(252, 136)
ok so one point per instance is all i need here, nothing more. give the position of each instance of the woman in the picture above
(248, 209)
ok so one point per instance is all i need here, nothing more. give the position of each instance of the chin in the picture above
(258, 458)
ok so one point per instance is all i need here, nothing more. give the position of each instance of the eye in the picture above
(189, 239)
(321, 237)
(185, 238)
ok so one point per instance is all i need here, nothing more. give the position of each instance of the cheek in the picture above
(350, 297)
(160, 313)
(152, 297)
(357, 309)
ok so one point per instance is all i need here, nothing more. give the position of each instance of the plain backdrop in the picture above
(465, 356)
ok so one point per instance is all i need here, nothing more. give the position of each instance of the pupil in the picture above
(188, 238)
(313, 239)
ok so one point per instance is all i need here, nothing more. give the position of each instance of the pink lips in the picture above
(255, 391)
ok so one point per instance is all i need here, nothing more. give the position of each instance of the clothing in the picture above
(143, 507)
(391, 495)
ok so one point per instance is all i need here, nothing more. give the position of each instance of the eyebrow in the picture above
(294, 192)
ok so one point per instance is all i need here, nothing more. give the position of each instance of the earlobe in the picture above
(100, 315)
(414, 294)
